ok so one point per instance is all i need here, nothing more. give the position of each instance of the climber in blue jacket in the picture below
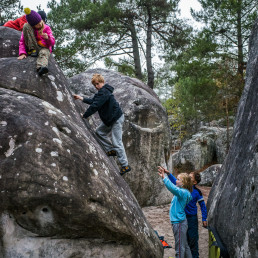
(112, 120)
(191, 211)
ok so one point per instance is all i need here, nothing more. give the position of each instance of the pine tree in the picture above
(10, 10)
(97, 30)
(230, 23)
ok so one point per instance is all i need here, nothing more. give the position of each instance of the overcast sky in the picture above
(184, 6)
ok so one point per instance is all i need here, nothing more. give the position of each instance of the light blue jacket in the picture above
(181, 198)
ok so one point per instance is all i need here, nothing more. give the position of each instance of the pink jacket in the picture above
(48, 43)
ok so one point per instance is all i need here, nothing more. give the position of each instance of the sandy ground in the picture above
(158, 217)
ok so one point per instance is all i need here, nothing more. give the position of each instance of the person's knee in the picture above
(44, 52)
(100, 133)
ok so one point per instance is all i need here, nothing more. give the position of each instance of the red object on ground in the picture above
(165, 244)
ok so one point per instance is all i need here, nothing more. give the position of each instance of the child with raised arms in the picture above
(182, 196)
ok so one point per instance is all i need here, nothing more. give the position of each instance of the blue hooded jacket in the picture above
(181, 198)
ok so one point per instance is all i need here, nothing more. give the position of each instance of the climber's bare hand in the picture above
(77, 97)
(22, 57)
(44, 35)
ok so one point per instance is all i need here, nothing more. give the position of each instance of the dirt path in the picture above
(158, 216)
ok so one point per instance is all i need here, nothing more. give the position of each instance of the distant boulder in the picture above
(61, 196)
(208, 175)
(146, 132)
(233, 200)
(208, 146)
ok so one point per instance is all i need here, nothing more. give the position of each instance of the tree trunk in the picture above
(227, 125)
(136, 52)
(148, 52)
(240, 41)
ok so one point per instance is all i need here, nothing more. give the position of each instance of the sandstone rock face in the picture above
(208, 175)
(235, 190)
(206, 147)
(9, 42)
(146, 134)
(60, 195)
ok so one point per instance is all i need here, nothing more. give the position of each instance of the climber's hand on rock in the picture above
(161, 172)
(165, 170)
(22, 56)
(204, 224)
(160, 168)
(77, 97)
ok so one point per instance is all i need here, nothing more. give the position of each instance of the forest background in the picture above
(201, 70)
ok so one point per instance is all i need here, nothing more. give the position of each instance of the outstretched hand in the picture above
(165, 170)
(77, 97)
(161, 171)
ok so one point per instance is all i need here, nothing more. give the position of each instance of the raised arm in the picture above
(172, 188)
(170, 176)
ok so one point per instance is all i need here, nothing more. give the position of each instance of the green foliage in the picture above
(88, 31)
(229, 22)
(123, 66)
(206, 87)
(176, 118)
(210, 65)
(10, 10)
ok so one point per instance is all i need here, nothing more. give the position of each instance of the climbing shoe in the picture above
(111, 153)
(125, 170)
(33, 53)
(42, 70)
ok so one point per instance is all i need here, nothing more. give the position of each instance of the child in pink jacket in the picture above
(36, 40)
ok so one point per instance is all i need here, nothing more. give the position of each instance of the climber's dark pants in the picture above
(192, 235)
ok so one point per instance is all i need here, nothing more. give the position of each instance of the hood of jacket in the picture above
(108, 87)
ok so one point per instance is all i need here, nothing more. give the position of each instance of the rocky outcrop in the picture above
(208, 146)
(146, 134)
(60, 195)
(208, 175)
(9, 42)
(235, 190)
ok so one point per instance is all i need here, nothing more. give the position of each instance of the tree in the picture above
(10, 10)
(108, 28)
(230, 23)
(207, 86)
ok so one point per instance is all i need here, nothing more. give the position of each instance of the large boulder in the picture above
(60, 195)
(9, 42)
(146, 134)
(208, 146)
(235, 190)
(208, 175)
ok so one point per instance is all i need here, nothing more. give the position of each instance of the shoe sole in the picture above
(111, 155)
(122, 173)
(43, 71)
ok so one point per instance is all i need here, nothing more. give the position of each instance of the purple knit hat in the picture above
(32, 17)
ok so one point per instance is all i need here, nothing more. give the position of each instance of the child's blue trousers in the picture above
(192, 235)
